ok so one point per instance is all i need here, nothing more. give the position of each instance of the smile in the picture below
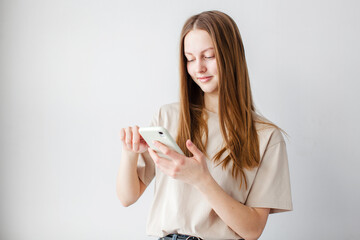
(204, 79)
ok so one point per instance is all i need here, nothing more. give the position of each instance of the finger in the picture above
(194, 150)
(136, 138)
(128, 137)
(168, 151)
(142, 140)
(122, 135)
(163, 163)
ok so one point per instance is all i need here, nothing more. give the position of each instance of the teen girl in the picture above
(235, 169)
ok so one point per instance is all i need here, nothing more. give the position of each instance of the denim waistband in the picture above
(179, 237)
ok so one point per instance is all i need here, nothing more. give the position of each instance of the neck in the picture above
(211, 102)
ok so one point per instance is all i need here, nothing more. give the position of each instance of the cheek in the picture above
(213, 67)
(189, 69)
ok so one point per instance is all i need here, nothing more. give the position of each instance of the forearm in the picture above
(244, 220)
(128, 183)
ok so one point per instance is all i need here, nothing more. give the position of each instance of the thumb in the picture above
(194, 150)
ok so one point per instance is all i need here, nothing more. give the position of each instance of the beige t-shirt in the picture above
(180, 208)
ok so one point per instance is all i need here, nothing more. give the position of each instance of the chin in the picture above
(209, 92)
(209, 89)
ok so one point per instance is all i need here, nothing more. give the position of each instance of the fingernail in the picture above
(189, 142)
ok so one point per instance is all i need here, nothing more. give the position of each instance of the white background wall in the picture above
(73, 73)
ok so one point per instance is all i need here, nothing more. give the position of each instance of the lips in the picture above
(204, 79)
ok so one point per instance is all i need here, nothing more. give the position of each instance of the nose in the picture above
(200, 66)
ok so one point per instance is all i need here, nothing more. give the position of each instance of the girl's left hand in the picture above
(192, 170)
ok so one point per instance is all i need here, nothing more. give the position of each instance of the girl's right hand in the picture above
(132, 140)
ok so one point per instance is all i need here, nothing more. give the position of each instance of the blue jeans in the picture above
(179, 237)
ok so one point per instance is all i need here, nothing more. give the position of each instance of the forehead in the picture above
(196, 41)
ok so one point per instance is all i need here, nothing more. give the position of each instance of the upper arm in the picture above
(271, 186)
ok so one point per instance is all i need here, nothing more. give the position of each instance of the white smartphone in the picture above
(160, 134)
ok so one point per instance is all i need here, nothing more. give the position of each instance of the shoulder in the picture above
(170, 108)
(168, 112)
(268, 135)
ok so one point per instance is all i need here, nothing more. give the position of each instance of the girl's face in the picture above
(201, 63)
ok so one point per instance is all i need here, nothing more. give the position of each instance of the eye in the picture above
(190, 60)
(209, 57)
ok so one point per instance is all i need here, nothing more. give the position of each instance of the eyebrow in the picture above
(201, 51)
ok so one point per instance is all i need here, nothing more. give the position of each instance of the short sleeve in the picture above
(271, 186)
(145, 165)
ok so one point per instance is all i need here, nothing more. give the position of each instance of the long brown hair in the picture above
(236, 106)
